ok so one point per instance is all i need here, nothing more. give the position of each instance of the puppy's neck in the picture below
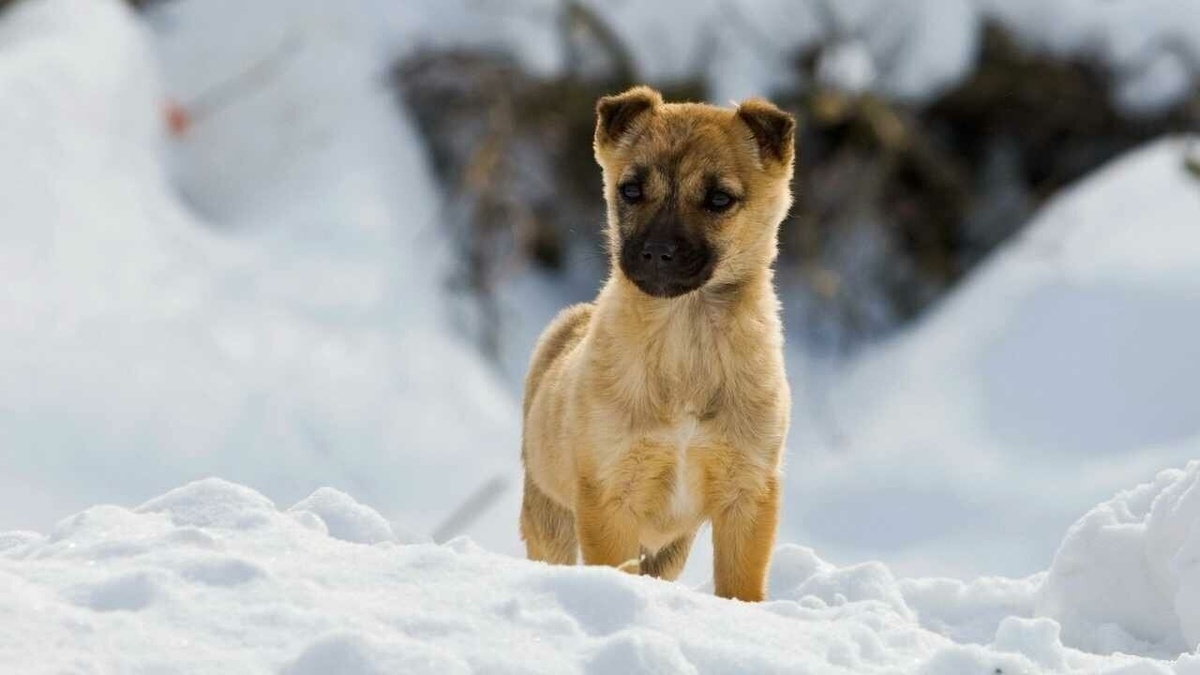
(709, 306)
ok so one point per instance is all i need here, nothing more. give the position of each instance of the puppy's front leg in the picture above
(607, 530)
(743, 537)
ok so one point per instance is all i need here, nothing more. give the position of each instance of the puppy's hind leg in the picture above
(547, 528)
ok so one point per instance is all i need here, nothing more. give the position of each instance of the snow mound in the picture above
(211, 502)
(346, 519)
(1061, 371)
(1143, 548)
(812, 579)
(211, 576)
(291, 338)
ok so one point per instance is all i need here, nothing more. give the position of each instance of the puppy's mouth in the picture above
(666, 273)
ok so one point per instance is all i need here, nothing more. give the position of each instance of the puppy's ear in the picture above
(616, 114)
(773, 129)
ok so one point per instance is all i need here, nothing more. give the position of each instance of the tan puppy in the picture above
(664, 403)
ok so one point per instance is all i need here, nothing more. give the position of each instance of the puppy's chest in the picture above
(690, 440)
(661, 472)
(672, 389)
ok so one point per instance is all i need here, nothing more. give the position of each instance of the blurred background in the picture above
(296, 243)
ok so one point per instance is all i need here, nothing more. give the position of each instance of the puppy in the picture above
(664, 403)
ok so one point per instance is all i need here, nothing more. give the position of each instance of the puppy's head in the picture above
(695, 192)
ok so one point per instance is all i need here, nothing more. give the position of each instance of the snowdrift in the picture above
(212, 577)
(289, 338)
(1063, 370)
(1127, 577)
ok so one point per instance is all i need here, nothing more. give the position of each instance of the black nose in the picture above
(659, 250)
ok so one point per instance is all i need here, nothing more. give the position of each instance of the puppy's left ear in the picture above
(773, 130)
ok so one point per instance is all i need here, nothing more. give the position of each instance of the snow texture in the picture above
(211, 577)
(1127, 577)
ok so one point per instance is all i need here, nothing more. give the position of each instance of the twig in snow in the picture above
(470, 510)
(1191, 157)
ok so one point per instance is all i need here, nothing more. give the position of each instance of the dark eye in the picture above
(717, 200)
(631, 192)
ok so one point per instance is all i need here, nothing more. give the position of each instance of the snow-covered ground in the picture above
(212, 577)
(266, 307)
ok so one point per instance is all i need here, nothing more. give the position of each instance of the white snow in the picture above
(1061, 371)
(1143, 548)
(290, 338)
(211, 577)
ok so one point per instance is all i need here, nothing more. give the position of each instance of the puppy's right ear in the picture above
(616, 114)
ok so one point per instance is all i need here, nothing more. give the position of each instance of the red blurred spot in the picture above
(177, 119)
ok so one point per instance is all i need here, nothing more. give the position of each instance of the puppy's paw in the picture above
(633, 565)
